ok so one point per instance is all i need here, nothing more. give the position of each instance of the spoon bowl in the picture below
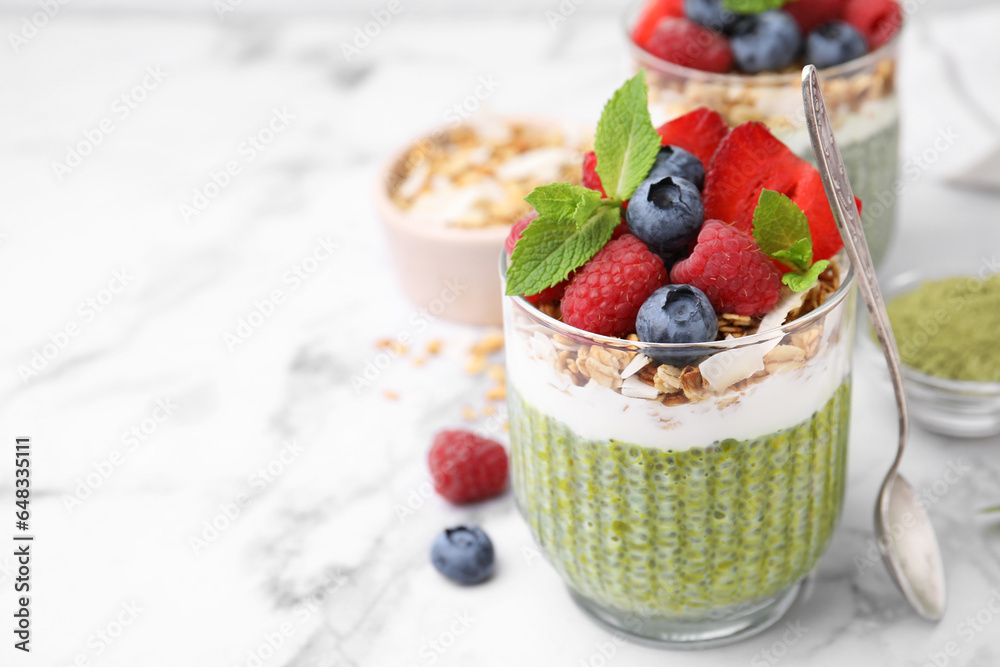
(900, 520)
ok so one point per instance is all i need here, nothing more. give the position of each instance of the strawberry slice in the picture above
(751, 159)
(811, 198)
(811, 14)
(651, 15)
(699, 132)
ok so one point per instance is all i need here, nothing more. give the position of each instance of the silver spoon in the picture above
(905, 534)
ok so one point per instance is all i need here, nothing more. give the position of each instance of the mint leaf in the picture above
(782, 230)
(752, 6)
(626, 142)
(562, 201)
(800, 282)
(551, 249)
(798, 255)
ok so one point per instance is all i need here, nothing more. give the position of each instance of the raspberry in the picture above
(466, 467)
(650, 17)
(731, 269)
(684, 42)
(622, 228)
(553, 293)
(811, 14)
(605, 295)
(516, 230)
(590, 178)
(876, 20)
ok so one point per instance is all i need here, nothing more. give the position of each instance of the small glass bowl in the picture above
(955, 408)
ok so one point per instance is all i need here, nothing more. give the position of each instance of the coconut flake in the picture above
(633, 387)
(725, 369)
(638, 362)
(415, 180)
(543, 164)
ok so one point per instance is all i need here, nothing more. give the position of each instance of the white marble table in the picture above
(151, 421)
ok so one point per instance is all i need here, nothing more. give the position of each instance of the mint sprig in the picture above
(551, 249)
(752, 6)
(562, 201)
(782, 231)
(574, 222)
(626, 142)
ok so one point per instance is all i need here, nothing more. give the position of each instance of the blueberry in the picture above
(463, 554)
(665, 213)
(674, 161)
(766, 42)
(834, 43)
(712, 14)
(677, 314)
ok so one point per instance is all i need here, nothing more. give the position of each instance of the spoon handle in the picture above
(845, 212)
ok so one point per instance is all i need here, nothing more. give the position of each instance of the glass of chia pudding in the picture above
(684, 505)
(860, 92)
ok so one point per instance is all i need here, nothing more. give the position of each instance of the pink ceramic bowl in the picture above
(452, 272)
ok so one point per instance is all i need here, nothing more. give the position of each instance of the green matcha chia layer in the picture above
(684, 534)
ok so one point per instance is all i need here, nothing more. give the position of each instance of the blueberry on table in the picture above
(833, 44)
(464, 554)
(677, 314)
(766, 42)
(665, 213)
(712, 14)
(675, 161)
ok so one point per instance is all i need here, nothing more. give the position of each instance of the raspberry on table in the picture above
(466, 467)
(731, 269)
(605, 295)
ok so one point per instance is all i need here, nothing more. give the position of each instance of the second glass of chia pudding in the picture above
(691, 51)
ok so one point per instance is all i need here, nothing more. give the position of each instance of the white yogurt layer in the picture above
(595, 412)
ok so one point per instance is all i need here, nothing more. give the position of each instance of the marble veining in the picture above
(274, 512)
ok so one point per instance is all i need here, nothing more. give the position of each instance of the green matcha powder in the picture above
(949, 328)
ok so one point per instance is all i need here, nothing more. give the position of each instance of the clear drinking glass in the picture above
(861, 96)
(683, 506)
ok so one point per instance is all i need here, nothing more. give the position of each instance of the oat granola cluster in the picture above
(759, 98)
(477, 175)
(632, 374)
